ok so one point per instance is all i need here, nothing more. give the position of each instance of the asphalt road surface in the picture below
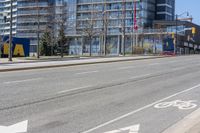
(145, 96)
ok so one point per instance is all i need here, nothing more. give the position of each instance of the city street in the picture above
(140, 96)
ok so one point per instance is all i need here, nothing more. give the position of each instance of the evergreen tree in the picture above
(45, 43)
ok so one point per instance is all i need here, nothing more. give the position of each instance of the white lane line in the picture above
(74, 89)
(128, 67)
(141, 76)
(173, 61)
(154, 64)
(89, 72)
(179, 68)
(21, 81)
(140, 109)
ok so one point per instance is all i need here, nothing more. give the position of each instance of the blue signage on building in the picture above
(20, 47)
(168, 45)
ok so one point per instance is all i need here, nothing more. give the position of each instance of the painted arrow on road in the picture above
(131, 129)
(20, 127)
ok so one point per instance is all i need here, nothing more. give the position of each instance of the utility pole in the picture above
(175, 47)
(132, 41)
(123, 26)
(92, 27)
(38, 31)
(105, 19)
(135, 22)
(11, 25)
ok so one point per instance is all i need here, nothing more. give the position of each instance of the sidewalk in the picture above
(195, 128)
(41, 59)
(190, 124)
(50, 63)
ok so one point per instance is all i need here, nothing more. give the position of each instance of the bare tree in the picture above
(62, 39)
(105, 27)
(89, 28)
(89, 31)
(62, 22)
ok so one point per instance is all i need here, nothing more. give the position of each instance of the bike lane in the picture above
(153, 118)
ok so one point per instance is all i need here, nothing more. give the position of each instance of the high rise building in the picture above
(30, 18)
(5, 17)
(118, 16)
(33, 17)
(116, 11)
(165, 9)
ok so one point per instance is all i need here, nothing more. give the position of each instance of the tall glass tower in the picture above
(165, 9)
(5, 17)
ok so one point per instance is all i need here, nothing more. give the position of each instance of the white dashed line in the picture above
(140, 76)
(21, 81)
(128, 67)
(154, 64)
(89, 72)
(74, 89)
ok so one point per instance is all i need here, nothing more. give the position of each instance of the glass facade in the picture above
(165, 9)
(71, 15)
(46, 13)
(5, 17)
(118, 14)
(29, 14)
(116, 11)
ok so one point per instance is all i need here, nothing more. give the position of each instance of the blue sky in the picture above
(192, 6)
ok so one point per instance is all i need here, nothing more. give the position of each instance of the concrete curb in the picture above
(187, 124)
(76, 64)
(39, 60)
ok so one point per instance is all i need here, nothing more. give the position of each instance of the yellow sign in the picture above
(6, 48)
(19, 50)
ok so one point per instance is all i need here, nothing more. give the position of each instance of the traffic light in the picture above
(193, 30)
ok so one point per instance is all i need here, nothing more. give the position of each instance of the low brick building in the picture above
(187, 43)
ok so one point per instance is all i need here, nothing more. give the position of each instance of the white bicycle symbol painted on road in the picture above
(183, 105)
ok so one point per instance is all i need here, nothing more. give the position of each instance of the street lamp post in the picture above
(105, 26)
(132, 28)
(38, 31)
(175, 47)
(176, 41)
(135, 23)
(11, 25)
(124, 27)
